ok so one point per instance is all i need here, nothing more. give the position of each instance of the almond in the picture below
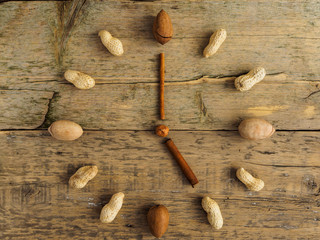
(162, 27)
(158, 220)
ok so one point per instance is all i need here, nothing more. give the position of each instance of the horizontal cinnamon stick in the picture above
(182, 163)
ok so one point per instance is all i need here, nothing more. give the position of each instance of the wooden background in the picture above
(39, 40)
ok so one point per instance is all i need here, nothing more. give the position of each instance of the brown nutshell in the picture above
(65, 130)
(162, 27)
(162, 130)
(158, 220)
(255, 129)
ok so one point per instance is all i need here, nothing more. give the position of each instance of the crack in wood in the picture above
(32, 192)
(283, 166)
(154, 81)
(202, 106)
(46, 116)
(266, 152)
(311, 94)
(210, 79)
(34, 106)
(192, 81)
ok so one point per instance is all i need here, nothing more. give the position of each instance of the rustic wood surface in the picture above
(39, 40)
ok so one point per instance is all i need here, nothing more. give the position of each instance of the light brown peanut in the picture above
(252, 183)
(216, 40)
(65, 130)
(245, 82)
(255, 129)
(82, 176)
(113, 44)
(213, 212)
(111, 209)
(79, 80)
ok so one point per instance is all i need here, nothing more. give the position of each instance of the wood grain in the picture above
(281, 36)
(37, 202)
(27, 43)
(39, 40)
(127, 100)
(205, 104)
(23, 109)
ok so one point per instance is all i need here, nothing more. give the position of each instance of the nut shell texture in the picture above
(246, 82)
(111, 209)
(252, 183)
(255, 129)
(162, 28)
(213, 212)
(158, 220)
(216, 40)
(83, 176)
(114, 45)
(79, 79)
(65, 130)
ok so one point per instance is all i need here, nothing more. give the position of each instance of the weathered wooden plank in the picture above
(238, 54)
(282, 36)
(78, 218)
(139, 161)
(36, 201)
(39, 40)
(204, 104)
(27, 40)
(68, 32)
(135, 106)
(23, 109)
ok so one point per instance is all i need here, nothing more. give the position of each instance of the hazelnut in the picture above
(162, 130)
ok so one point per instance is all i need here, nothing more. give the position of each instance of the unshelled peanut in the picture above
(82, 176)
(255, 129)
(113, 44)
(65, 130)
(213, 212)
(216, 39)
(111, 209)
(162, 28)
(245, 82)
(158, 220)
(79, 80)
(252, 183)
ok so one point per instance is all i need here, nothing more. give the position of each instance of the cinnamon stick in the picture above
(182, 163)
(162, 117)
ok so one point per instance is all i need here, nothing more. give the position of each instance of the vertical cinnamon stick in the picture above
(182, 163)
(162, 86)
